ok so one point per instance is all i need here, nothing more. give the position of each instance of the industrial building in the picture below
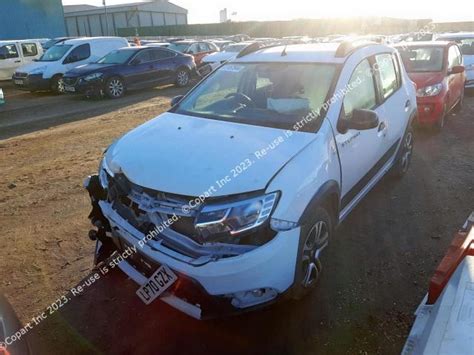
(25, 19)
(88, 20)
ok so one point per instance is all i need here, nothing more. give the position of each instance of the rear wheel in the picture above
(114, 87)
(182, 77)
(314, 238)
(404, 155)
(57, 84)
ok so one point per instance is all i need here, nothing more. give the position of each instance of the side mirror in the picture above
(362, 120)
(457, 69)
(175, 100)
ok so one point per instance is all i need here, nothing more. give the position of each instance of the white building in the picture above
(88, 20)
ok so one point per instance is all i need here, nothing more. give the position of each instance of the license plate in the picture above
(158, 283)
(70, 88)
(18, 81)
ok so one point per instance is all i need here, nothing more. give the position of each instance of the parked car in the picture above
(197, 49)
(236, 191)
(211, 61)
(46, 73)
(130, 68)
(465, 42)
(14, 54)
(221, 44)
(437, 70)
(48, 44)
(238, 38)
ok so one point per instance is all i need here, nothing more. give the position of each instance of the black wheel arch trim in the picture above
(329, 191)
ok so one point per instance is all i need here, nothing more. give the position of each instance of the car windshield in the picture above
(265, 94)
(179, 47)
(55, 53)
(422, 59)
(117, 57)
(234, 48)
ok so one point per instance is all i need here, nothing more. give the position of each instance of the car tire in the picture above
(114, 87)
(405, 153)
(183, 77)
(57, 84)
(460, 103)
(314, 237)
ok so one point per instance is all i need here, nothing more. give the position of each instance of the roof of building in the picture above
(161, 5)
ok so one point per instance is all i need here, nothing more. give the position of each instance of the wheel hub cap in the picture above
(316, 241)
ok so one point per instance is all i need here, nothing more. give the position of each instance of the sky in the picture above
(207, 11)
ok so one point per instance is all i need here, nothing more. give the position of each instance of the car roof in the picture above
(90, 39)
(19, 41)
(304, 53)
(456, 35)
(423, 44)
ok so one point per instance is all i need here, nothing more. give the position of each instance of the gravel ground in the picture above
(379, 264)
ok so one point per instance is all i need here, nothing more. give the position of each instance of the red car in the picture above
(437, 70)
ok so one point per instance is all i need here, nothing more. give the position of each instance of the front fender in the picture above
(301, 179)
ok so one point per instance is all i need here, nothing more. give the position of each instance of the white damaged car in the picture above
(227, 201)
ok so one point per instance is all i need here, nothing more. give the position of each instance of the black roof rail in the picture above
(348, 47)
(254, 47)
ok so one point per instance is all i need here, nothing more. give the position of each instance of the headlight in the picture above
(94, 76)
(103, 178)
(235, 217)
(431, 90)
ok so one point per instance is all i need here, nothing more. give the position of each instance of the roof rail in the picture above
(348, 47)
(253, 48)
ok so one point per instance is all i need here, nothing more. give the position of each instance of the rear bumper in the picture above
(33, 82)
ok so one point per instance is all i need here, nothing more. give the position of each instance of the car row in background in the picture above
(436, 69)
(130, 68)
(14, 54)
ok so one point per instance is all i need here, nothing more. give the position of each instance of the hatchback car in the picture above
(228, 201)
(197, 49)
(437, 70)
(130, 68)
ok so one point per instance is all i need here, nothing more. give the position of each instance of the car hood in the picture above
(189, 156)
(219, 56)
(89, 69)
(28, 68)
(424, 79)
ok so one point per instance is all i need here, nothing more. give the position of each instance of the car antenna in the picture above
(283, 52)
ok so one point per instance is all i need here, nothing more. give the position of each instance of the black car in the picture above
(130, 68)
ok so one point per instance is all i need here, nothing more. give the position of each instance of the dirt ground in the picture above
(379, 264)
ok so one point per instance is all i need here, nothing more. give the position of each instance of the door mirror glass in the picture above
(175, 100)
(362, 119)
(457, 69)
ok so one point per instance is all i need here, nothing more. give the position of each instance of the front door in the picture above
(10, 60)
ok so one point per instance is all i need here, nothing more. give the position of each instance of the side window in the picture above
(162, 54)
(203, 47)
(29, 49)
(362, 92)
(8, 51)
(194, 48)
(387, 74)
(458, 54)
(143, 57)
(396, 62)
(79, 53)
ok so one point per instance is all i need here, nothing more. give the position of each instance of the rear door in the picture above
(142, 71)
(165, 63)
(10, 59)
(29, 50)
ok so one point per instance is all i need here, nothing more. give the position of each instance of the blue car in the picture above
(130, 68)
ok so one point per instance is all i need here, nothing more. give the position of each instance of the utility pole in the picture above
(106, 19)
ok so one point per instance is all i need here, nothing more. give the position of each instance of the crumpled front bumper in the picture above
(238, 283)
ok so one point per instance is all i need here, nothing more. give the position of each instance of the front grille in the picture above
(21, 75)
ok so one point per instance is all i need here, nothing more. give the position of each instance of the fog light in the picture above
(254, 297)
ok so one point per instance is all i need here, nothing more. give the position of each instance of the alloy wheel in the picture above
(316, 240)
(116, 87)
(182, 78)
(407, 151)
(60, 86)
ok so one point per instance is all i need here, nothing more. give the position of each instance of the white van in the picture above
(15, 53)
(46, 73)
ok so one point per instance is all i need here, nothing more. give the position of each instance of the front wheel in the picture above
(114, 87)
(57, 84)
(314, 238)
(182, 77)
(404, 154)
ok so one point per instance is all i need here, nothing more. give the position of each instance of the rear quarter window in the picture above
(29, 49)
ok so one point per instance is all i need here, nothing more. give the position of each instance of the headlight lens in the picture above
(103, 178)
(431, 90)
(236, 217)
(94, 76)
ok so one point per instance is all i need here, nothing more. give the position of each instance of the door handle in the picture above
(382, 126)
(17, 61)
(407, 105)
